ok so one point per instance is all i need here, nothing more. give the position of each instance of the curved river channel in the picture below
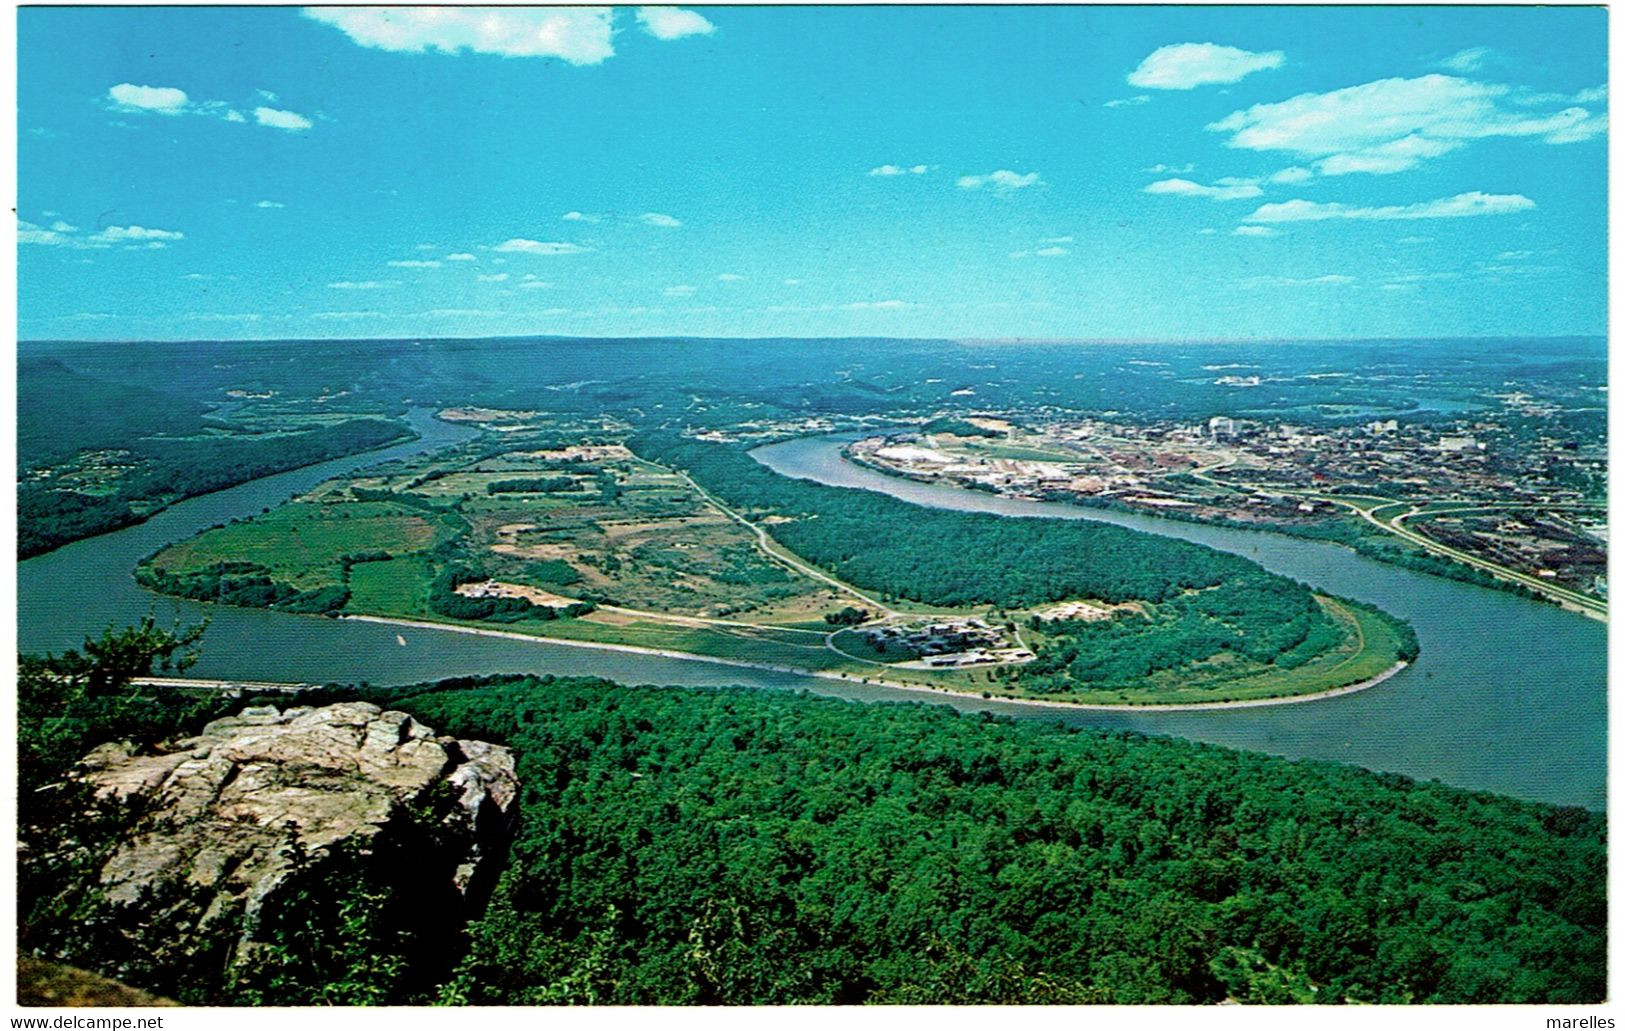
(1509, 695)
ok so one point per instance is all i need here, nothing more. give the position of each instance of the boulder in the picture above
(231, 817)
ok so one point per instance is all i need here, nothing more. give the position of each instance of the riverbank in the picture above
(1047, 703)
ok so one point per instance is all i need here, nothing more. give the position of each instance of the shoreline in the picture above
(1247, 703)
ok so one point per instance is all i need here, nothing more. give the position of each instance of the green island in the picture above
(657, 541)
(728, 846)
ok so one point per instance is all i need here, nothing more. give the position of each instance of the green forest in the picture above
(692, 846)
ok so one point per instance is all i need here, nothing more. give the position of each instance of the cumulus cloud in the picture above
(888, 170)
(1188, 65)
(729, 277)
(679, 291)
(496, 277)
(519, 245)
(1462, 205)
(577, 216)
(135, 234)
(1170, 169)
(673, 22)
(1292, 176)
(654, 218)
(876, 305)
(414, 264)
(365, 284)
(281, 119)
(1004, 181)
(1051, 252)
(1133, 101)
(1223, 189)
(579, 35)
(461, 256)
(1254, 231)
(167, 100)
(163, 100)
(28, 232)
(1392, 125)
(270, 204)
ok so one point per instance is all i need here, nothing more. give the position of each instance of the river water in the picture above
(1509, 695)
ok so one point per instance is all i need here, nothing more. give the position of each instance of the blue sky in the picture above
(1142, 173)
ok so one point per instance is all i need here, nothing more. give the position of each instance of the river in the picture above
(1509, 695)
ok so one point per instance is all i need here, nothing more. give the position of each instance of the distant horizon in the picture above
(656, 337)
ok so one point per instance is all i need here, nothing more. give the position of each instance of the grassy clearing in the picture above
(399, 587)
(301, 543)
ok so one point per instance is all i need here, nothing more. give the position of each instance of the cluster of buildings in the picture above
(948, 643)
(1255, 471)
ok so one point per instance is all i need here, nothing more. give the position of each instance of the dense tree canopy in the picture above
(736, 847)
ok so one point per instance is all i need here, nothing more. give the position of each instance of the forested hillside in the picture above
(735, 847)
(95, 455)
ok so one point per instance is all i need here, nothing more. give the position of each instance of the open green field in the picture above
(301, 543)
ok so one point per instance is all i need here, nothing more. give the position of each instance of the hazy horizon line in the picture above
(645, 338)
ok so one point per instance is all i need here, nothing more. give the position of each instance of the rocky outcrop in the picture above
(232, 817)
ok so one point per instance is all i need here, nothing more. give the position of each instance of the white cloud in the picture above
(1292, 176)
(211, 316)
(794, 282)
(365, 284)
(414, 264)
(887, 170)
(1392, 125)
(461, 256)
(729, 277)
(1018, 255)
(654, 218)
(678, 291)
(1466, 60)
(28, 232)
(1514, 255)
(281, 119)
(1004, 180)
(1223, 189)
(579, 35)
(673, 23)
(270, 204)
(62, 227)
(876, 305)
(1254, 231)
(163, 100)
(1332, 280)
(497, 277)
(523, 246)
(534, 284)
(1170, 169)
(1051, 252)
(1057, 239)
(234, 116)
(135, 234)
(1133, 101)
(1462, 205)
(1188, 65)
(576, 216)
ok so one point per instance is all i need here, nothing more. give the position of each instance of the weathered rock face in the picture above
(231, 815)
